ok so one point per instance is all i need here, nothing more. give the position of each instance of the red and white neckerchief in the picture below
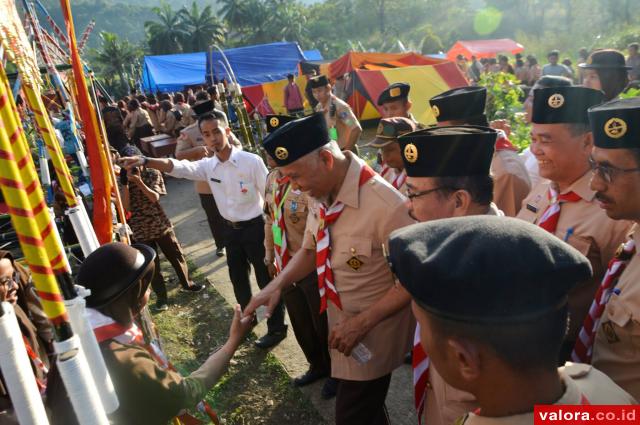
(420, 363)
(399, 180)
(279, 195)
(39, 364)
(385, 170)
(503, 143)
(583, 349)
(328, 216)
(550, 217)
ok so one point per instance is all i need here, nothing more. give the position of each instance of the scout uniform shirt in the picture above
(338, 115)
(584, 385)
(361, 272)
(295, 216)
(191, 137)
(586, 227)
(617, 342)
(511, 181)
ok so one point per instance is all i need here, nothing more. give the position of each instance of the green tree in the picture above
(169, 34)
(232, 12)
(203, 28)
(113, 57)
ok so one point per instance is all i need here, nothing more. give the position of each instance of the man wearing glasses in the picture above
(565, 206)
(616, 181)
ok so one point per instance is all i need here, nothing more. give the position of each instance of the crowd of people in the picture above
(507, 280)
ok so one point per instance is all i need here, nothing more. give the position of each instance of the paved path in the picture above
(182, 205)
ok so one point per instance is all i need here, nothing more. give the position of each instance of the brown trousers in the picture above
(170, 247)
(309, 326)
(362, 402)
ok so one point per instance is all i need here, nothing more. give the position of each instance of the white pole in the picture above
(17, 372)
(83, 228)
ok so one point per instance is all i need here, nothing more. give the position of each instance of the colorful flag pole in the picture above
(85, 35)
(56, 29)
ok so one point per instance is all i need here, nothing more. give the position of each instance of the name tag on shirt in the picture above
(215, 180)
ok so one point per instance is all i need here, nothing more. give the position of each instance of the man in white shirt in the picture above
(237, 180)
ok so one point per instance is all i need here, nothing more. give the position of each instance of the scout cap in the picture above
(112, 269)
(318, 81)
(389, 129)
(276, 121)
(395, 91)
(485, 269)
(564, 105)
(616, 124)
(459, 103)
(605, 59)
(448, 151)
(297, 138)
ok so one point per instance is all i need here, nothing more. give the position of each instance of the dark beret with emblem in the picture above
(318, 81)
(605, 59)
(485, 269)
(202, 107)
(395, 91)
(616, 124)
(297, 138)
(564, 105)
(459, 103)
(389, 129)
(276, 121)
(448, 151)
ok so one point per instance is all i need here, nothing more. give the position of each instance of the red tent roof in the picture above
(357, 60)
(483, 48)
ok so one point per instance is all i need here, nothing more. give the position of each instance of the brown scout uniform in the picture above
(352, 236)
(136, 119)
(580, 381)
(185, 110)
(617, 343)
(587, 228)
(342, 118)
(511, 181)
(191, 137)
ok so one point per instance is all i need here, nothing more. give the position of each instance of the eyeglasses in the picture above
(608, 172)
(9, 281)
(412, 195)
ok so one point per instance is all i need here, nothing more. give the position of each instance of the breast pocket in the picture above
(619, 330)
(352, 253)
(245, 190)
(586, 247)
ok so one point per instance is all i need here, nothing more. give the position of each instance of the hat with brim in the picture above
(389, 129)
(605, 59)
(111, 270)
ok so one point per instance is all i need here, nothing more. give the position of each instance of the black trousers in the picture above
(215, 220)
(172, 250)
(309, 326)
(362, 402)
(245, 248)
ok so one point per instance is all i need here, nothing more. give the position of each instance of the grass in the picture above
(256, 389)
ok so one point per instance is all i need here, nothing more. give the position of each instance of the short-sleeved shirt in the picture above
(557, 70)
(634, 63)
(191, 137)
(339, 114)
(371, 212)
(511, 182)
(148, 220)
(616, 349)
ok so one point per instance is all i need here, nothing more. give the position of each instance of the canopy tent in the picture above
(351, 61)
(365, 86)
(313, 55)
(173, 72)
(484, 48)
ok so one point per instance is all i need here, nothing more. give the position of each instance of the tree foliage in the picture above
(113, 59)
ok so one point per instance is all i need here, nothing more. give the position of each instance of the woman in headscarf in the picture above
(606, 70)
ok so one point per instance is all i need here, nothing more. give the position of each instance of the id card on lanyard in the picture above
(275, 229)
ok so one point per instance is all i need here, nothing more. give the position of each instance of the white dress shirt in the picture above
(237, 184)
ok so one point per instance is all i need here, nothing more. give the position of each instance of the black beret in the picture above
(616, 124)
(203, 107)
(276, 121)
(297, 138)
(564, 105)
(459, 103)
(605, 59)
(112, 269)
(395, 91)
(448, 151)
(318, 81)
(485, 269)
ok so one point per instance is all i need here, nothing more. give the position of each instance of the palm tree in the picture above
(113, 56)
(168, 35)
(232, 11)
(203, 28)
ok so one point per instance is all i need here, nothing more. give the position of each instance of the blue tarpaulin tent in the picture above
(313, 55)
(252, 65)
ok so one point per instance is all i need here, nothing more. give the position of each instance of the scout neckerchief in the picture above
(549, 220)
(42, 383)
(281, 188)
(385, 170)
(583, 349)
(105, 328)
(328, 216)
(420, 364)
(399, 180)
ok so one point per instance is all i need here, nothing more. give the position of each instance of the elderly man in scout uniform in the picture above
(493, 320)
(389, 129)
(611, 330)
(286, 212)
(370, 323)
(343, 125)
(465, 106)
(448, 176)
(565, 206)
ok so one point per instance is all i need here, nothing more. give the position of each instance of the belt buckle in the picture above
(235, 225)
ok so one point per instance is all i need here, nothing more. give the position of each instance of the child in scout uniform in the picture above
(493, 320)
(394, 102)
(565, 205)
(466, 106)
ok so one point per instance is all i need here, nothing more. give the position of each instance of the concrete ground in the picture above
(182, 205)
